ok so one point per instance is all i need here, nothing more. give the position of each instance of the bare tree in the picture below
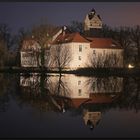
(105, 85)
(3, 51)
(104, 60)
(76, 27)
(43, 35)
(122, 36)
(61, 56)
(5, 34)
(18, 42)
(135, 37)
(106, 31)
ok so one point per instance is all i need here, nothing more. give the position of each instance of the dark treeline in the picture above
(10, 45)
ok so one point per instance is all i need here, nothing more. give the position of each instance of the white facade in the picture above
(73, 52)
(78, 54)
(82, 53)
(29, 59)
(114, 57)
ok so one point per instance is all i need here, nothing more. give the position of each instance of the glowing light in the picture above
(130, 66)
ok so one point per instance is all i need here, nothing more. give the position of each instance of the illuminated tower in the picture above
(92, 24)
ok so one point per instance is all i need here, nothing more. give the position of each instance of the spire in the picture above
(93, 10)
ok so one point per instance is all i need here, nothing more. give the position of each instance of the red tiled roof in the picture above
(94, 99)
(104, 43)
(100, 99)
(73, 37)
(76, 102)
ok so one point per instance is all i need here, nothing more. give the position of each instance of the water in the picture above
(50, 106)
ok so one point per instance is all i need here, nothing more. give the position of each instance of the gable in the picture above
(30, 45)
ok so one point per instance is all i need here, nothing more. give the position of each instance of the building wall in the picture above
(100, 55)
(81, 58)
(29, 54)
(78, 52)
(28, 59)
(95, 22)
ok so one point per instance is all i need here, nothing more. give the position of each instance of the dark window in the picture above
(79, 82)
(94, 52)
(79, 92)
(80, 48)
(79, 58)
(93, 85)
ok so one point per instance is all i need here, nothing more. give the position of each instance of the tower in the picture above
(92, 24)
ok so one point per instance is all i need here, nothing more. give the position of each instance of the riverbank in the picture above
(80, 72)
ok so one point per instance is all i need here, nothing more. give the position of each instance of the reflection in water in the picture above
(89, 97)
(87, 94)
(91, 118)
(6, 87)
(40, 91)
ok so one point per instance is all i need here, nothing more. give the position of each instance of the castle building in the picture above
(29, 53)
(87, 52)
(92, 24)
(73, 50)
(75, 91)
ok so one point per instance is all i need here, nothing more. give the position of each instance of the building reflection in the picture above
(56, 93)
(91, 118)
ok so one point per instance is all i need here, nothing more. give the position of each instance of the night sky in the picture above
(27, 14)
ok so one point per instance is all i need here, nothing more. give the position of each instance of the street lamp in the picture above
(130, 66)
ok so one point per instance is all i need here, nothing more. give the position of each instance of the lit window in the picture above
(80, 48)
(79, 82)
(79, 58)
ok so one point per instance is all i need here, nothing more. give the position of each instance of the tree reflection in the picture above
(56, 90)
(89, 97)
(5, 89)
(130, 99)
(43, 93)
(97, 95)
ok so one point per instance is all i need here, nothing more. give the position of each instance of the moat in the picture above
(39, 105)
